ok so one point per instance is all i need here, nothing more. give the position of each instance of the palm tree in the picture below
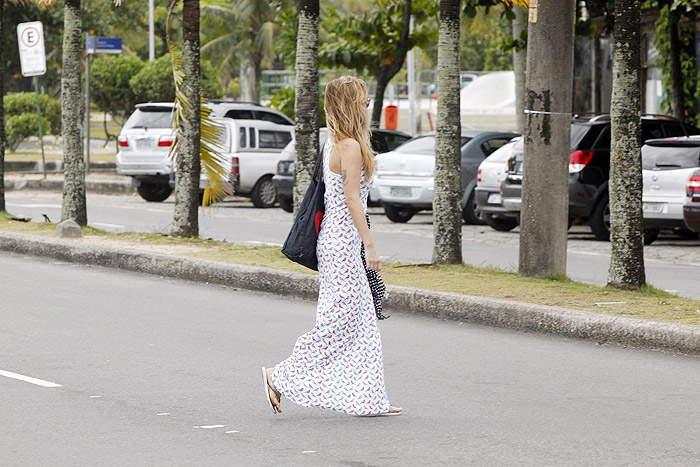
(306, 100)
(545, 190)
(252, 37)
(447, 210)
(74, 202)
(519, 57)
(626, 231)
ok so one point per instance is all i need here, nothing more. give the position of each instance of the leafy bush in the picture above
(155, 81)
(22, 126)
(109, 84)
(283, 100)
(21, 121)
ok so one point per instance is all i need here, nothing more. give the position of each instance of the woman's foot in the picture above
(272, 392)
(395, 410)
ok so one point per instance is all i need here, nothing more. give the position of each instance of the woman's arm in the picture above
(348, 151)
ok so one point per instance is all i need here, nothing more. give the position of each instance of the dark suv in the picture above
(589, 168)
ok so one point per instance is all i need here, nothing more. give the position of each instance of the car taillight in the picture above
(123, 141)
(235, 167)
(579, 159)
(693, 187)
(478, 176)
(165, 141)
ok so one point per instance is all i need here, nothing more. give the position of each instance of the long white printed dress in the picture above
(338, 364)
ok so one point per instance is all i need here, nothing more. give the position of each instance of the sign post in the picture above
(32, 57)
(93, 45)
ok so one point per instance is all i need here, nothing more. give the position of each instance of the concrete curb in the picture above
(52, 165)
(106, 186)
(578, 324)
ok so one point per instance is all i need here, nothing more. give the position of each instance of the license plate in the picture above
(494, 198)
(400, 191)
(653, 207)
(144, 143)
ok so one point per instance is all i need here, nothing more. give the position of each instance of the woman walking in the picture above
(338, 364)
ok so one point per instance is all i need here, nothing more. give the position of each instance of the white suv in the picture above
(146, 138)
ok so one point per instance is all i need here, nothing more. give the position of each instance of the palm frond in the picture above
(520, 3)
(213, 163)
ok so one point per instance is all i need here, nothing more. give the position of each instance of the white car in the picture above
(667, 165)
(251, 149)
(489, 177)
(145, 141)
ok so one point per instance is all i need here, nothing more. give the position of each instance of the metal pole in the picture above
(87, 109)
(151, 33)
(41, 127)
(411, 72)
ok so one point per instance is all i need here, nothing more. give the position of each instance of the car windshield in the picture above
(151, 117)
(424, 145)
(670, 157)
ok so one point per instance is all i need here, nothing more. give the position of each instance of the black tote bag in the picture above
(300, 245)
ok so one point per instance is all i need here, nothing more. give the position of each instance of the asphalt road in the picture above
(672, 264)
(160, 372)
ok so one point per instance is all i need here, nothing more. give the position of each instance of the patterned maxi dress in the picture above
(338, 364)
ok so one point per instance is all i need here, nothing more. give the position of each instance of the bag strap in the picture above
(318, 170)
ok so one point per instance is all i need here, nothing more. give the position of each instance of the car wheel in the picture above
(469, 213)
(600, 219)
(650, 236)
(286, 204)
(264, 193)
(156, 192)
(687, 234)
(499, 223)
(400, 214)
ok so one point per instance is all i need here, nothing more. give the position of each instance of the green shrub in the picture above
(20, 127)
(155, 81)
(233, 90)
(17, 103)
(109, 84)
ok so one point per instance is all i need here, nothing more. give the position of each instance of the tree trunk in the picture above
(447, 198)
(185, 221)
(626, 230)
(545, 193)
(257, 73)
(306, 100)
(74, 203)
(382, 83)
(677, 93)
(2, 108)
(519, 58)
(385, 72)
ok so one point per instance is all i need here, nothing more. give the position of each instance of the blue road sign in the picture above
(104, 45)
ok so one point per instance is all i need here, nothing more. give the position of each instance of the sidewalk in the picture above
(96, 182)
(166, 261)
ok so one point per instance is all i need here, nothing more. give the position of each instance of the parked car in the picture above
(145, 141)
(691, 210)
(667, 165)
(405, 176)
(251, 150)
(382, 141)
(589, 168)
(492, 171)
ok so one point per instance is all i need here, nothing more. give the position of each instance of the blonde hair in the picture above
(345, 104)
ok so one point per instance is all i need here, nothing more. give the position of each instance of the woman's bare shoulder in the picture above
(349, 148)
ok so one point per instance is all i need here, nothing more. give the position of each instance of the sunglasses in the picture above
(368, 102)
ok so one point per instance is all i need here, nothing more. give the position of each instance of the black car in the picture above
(589, 168)
(382, 141)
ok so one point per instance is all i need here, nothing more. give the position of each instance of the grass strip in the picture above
(647, 303)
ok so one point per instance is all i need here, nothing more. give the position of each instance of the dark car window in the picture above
(238, 114)
(241, 137)
(271, 117)
(251, 137)
(603, 141)
(424, 145)
(151, 117)
(651, 130)
(584, 136)
(690, 129)
(670, 158)
(378, 143)
(672, 129)
(274, 139)
(490, 146)
(392, 141)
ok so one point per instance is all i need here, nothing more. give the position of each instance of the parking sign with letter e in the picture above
(32, 56)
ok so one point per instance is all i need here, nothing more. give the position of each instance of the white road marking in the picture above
(95, 397)
(163, 413)
(36, 205)
(307, 452)
(29, 379)
(209, 427)
(233, 431)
